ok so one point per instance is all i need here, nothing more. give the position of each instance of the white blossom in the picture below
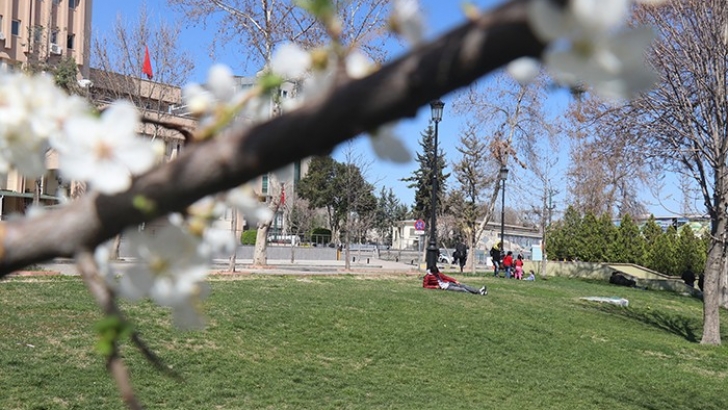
(221, 82)
(32, 109)
(524, 69)
(407, 20)
(388, 146)
(358, 65)
(589, 45)
(170, 268)
(105, 151)
(290, 61)
(219, 92)
(244, 199)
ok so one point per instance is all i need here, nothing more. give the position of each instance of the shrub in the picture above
(320, 235)
(248, 237)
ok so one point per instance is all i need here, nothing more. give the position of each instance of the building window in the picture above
(72, 4)
(70, 39)
(264, 185)
(15, 28)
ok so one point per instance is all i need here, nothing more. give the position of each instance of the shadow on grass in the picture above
(644, 397)
(676, 324)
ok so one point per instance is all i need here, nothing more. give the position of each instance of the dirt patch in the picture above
(25, 273)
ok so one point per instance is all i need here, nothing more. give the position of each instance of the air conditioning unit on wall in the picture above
(2, 36)
(56, 49)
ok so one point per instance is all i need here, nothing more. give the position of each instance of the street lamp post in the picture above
(432, 250)
(503, 176)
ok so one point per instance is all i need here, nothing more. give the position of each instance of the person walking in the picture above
(461, 254)
(508, 264)
(495, 256)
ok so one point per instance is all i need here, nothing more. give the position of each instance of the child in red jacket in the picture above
(436, 280)
(508, 264)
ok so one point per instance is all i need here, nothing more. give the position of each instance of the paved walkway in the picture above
(274, 267)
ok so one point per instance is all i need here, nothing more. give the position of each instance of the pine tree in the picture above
(592, 243)
(571, 233)
(629, 246)
(688, 251)
(651, 231)
(607, 233)
(663, 257)
(421, 179)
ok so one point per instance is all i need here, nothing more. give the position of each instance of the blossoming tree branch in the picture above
(584, 44)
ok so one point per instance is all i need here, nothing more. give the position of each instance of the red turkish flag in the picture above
(283, 196)
(147, 67)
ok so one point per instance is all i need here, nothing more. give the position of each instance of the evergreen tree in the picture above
(421, 179)
(607, 233)
(651, 231)
(555, 245)
(663, 256)
(592, 243)
(689, 251)
(571, 234)
(629, 246)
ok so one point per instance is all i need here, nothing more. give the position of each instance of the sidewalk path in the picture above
(245, 266)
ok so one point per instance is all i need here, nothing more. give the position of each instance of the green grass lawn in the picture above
(371, 343)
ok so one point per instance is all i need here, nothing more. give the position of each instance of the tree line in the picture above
(590, 238)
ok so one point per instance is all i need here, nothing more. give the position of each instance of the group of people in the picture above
(513, 268)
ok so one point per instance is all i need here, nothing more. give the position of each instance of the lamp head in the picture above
(503, 173)
(436, 106)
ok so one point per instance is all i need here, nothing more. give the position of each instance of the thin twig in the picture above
(106, 300)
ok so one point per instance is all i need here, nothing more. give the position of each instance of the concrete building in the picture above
(44, 31)
(35, 33)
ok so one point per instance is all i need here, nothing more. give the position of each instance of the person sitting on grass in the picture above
(434, 279)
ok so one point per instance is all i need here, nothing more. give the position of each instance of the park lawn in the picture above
(371, 343)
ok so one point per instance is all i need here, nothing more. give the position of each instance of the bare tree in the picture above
(118, 56)
(683, 123)
(605, 172)
(257, 27)
(359, 213)
(475, 171)
(512, 114)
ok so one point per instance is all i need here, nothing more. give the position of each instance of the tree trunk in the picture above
(234, 228)
(471, 255)
(260, 256)
(347, 252)
(115, 248)
(711, 287)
